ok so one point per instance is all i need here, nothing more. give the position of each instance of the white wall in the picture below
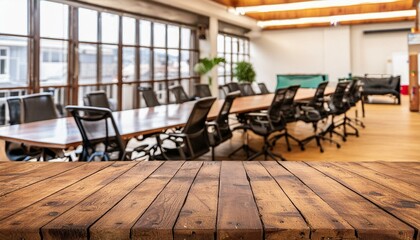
(336, 51)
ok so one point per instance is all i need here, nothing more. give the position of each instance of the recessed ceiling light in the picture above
(338, 18)
(306, 5)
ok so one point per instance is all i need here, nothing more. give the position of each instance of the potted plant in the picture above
(205, 65)
(244, 72)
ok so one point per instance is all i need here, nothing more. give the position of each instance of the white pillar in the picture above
(212, 37)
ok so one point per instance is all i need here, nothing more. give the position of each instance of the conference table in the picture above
(62, 133)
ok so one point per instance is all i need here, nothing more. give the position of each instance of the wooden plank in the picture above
(369, 221)
(324, 221)
(17, 200)
(397, 185)
(401, 206)
(115, 225)
(413, 167)
(74, 223)
(281, 219)
(159, 219)
(48, 170)
(238, 216)
(14, 168)
(27, 223)
(197, 219)
(393, 172)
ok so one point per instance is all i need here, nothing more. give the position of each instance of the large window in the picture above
(234, 49)
(73, 49)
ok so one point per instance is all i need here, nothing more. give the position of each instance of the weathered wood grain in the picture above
(117, 223)
(74, 223)
(159, 219)
(238, 216)
(325, 222)
(26, 196)
(401, 206)
(197, 219)
(394, 172)
(407, 189)
(26, 224)
(370, 221)
(281, 219)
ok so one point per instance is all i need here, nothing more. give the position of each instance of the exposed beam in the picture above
(247, 3)
(400, 19)
(366, 8)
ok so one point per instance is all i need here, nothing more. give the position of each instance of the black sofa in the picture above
(382, 86)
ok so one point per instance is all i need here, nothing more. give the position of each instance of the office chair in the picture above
(266, 123)
(38, 107)
(202, 90)
(263, 88)
(222, 131)
(314, 111)
(246, 89)
(179, 94)
(97, 125)
(149, 96)
(192, 141)
(233, 87)
(97, 99)
(288, 109)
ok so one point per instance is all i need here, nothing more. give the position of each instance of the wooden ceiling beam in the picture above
(400, 19)
(248, 3)
(321, 12)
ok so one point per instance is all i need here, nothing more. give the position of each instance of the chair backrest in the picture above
(319, 94)
(337, 99)
(263, 88)
(179, 94)
(275, 110)
(246, 89)
(149, 96)
(15, 109)
(222, 119)
(233, 87)
(288, 107)
(97, 99)
(97, 125)
(38, 107)
(202, 90)
(196, 129)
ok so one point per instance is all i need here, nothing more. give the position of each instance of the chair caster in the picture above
(357, 134)
(321, 150)
(302, 148)
(338, 146)
(344, 139)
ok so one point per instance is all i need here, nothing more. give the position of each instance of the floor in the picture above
(392, 133)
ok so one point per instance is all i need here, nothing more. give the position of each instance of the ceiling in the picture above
(397, 6)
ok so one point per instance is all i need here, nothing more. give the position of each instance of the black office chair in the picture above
(149, 96)
(193, 140)
(18, 151)
(246, 89)
(288, 109)
(97, 125)
(224, 89)
(233, 87)
(179, 94)
(97, 99)
(353, 96)
(266, 123)
(337, 106)
(202, 90)
(263, 88)
(38, 107)
(314, 111)
(222, 131)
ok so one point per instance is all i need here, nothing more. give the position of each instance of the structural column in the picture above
(212, 37)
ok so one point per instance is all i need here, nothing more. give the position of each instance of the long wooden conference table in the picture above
(209, 200)
(62, 133)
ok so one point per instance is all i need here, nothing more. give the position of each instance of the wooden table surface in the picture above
(63, 132)
(209, 200)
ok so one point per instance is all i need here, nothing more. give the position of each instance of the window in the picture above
(4, 62)
(14, 17)
(234, 49)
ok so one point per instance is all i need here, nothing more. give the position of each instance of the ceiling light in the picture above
(338, 18)
(306, 5)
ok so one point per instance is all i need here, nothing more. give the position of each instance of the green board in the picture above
(304, 80)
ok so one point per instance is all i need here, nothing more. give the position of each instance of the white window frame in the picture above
(5, 76)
